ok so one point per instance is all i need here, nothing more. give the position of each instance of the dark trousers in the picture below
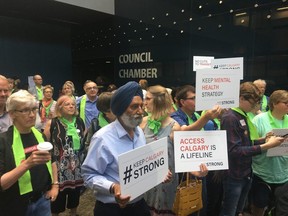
(281, 195)
(139, 208)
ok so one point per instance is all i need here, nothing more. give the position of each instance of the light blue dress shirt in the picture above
(100, 168)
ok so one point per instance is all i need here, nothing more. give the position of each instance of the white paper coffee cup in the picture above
(44, 146)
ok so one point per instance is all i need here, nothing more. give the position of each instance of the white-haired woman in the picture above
(27, 174)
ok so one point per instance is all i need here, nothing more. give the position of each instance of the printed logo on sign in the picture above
(127, 174)
(235, 66)
(143, 166)
(225, 102)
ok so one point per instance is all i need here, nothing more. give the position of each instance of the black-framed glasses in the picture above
(92, 88)
(191, 98)
(28, 111)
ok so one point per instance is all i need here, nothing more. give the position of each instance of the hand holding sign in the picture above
(273, 141)
(203, 171)
(213, 113)
(168, 178)
(121, 200)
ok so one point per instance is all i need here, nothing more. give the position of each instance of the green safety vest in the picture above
(24, 181)
(82, 107)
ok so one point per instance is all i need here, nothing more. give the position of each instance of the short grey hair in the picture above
(3, 77)
(20, 97)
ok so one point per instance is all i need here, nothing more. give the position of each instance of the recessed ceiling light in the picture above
(152, 36)
(140, 21)
(256, 5)
(174, 23)
(119, 42)
(129, 24)
(159, 26)
(220, 2)
(209, 15)
(119, 26)
(166, 34)
(231, 11)
(153, 18)
(242, 21)
(190, 19)
(135, 30)
(140, 38)
(181, 31)
(200, 6)
(146, 29)
(199, 28)
(182, 10)
(219, 26)
(129, 40)
(268, 16)
(167, 14)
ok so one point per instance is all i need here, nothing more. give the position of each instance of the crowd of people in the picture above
(89, 132)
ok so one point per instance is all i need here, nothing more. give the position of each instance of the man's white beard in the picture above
(131, 121)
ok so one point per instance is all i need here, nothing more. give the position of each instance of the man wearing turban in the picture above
(100, 168)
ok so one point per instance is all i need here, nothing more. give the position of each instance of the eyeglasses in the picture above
(28, 111)
(91, 88)
(191, 98)
(137, 106)
(253, 102)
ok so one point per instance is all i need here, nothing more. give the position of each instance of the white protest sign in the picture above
(281, 150)
(234, 65)
(31, 82)
(143, 168)
(216, 88)
(201, 62)
(192, 148)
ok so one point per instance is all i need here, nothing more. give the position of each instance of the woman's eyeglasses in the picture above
(28, 111)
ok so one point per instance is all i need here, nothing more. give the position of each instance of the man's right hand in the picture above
(121, 200)
(213, 113)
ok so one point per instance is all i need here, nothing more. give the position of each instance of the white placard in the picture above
(281, 150)
(31, 82)
(229, 64)
(216, 88)
(193, 148)
(201, 62)
(143, 168)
